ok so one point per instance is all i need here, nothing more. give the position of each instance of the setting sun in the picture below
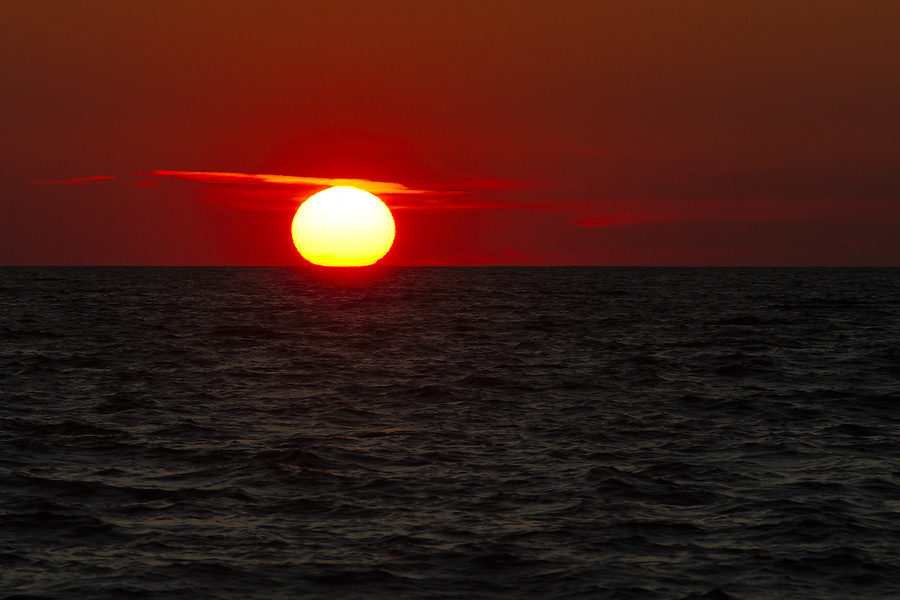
(343, 227)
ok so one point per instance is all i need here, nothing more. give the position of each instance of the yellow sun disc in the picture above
(343, 227)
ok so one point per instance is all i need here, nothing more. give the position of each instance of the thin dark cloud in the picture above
(254, 191)
(74, 181)
(264, 191)
(374, 187)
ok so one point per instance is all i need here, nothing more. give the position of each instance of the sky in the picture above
(512, 132)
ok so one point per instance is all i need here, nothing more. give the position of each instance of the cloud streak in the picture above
(269, 192)
(74, 181)
(215, 177)
(272, 192)
(254, 191)
(787, 210)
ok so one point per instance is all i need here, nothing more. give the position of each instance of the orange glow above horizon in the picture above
(343, 226)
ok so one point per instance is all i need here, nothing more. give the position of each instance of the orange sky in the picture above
(581, 132)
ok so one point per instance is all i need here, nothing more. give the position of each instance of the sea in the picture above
(449, 433)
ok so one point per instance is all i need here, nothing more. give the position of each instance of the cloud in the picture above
(74, 181)
(214, 177)
(256, 191)
(271, 192)
(621, 212)
(612, 219)
(253, 191)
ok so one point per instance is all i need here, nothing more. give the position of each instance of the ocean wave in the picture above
(440, 433)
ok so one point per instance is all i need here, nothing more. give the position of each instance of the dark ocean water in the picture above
(450, 433)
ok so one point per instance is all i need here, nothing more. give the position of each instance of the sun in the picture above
(343, 227)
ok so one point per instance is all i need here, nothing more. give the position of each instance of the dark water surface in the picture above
(450, 433)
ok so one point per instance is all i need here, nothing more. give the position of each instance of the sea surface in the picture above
(452, 433)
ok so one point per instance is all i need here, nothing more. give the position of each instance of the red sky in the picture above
(539, 132)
